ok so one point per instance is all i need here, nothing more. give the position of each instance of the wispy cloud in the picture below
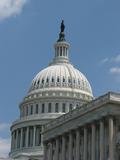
(10, 8)
(4, 147)
(115, 59)
(115, 70)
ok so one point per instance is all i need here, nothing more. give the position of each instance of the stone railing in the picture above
(110, 96)
(36, 117)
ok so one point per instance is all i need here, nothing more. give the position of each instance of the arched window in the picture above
(47, 80)
(64, 107)
(52, 79)
(63, 79)
(42, 81)
(34, 83)
(38, 82)
(58, 79)
(56, 107)
(49, 108)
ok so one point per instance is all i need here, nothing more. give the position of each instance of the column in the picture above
(77, 144)
(57, 149)
(111, 152)
(27, 136)
(13, 139)
(93, 142)
(21, 138)
(16, 139)
(51, 151)
(63, 147)
(34, 135)
(85, 144)
(101, 140)
(45, 151)
(70, 146)
(42, 129)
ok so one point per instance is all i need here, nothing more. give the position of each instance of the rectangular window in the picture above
(49, 108)
(31, 109)
(63, 107)
(56, 107)
(26, 110)
(36, 109)
(43, 108)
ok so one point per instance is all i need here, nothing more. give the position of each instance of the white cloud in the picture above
(4, 147)
(115, 70)
(10, 8)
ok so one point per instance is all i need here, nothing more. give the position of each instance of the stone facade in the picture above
(90, 132)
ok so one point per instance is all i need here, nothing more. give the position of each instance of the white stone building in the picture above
(54, 91)
(91, 131)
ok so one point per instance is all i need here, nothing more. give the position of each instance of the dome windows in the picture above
(58, 79)
(42, 81)
(47, 80)
(52, 79)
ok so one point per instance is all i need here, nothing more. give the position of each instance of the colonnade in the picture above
(29, 136)
(89, 142)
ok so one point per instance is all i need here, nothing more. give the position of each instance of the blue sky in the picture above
(28, 31)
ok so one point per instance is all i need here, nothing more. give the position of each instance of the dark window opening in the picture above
(49, 108)
(43, 108)
(56, 107)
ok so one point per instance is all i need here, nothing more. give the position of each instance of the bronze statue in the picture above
(62, 26)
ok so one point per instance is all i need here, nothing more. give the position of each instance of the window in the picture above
(34, 83)
(43, 108)
(63, 79)
(69, 80)
(60, 51)
(38, 82)
(31, 109)
(47, 80)
(26, 110)
(49, 108)
(58, 79)
(70, 107)
(63, 107)
(52, 79)
(56, 107)
(42, 81)
(36, 111)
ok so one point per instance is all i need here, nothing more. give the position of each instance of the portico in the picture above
(86, 133)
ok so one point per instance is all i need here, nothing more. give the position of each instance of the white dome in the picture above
(61, 75)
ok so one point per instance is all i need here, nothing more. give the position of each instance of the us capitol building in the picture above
(61, 115)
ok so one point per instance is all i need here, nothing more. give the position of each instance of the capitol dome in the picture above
(61, 75)
(54, 91)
